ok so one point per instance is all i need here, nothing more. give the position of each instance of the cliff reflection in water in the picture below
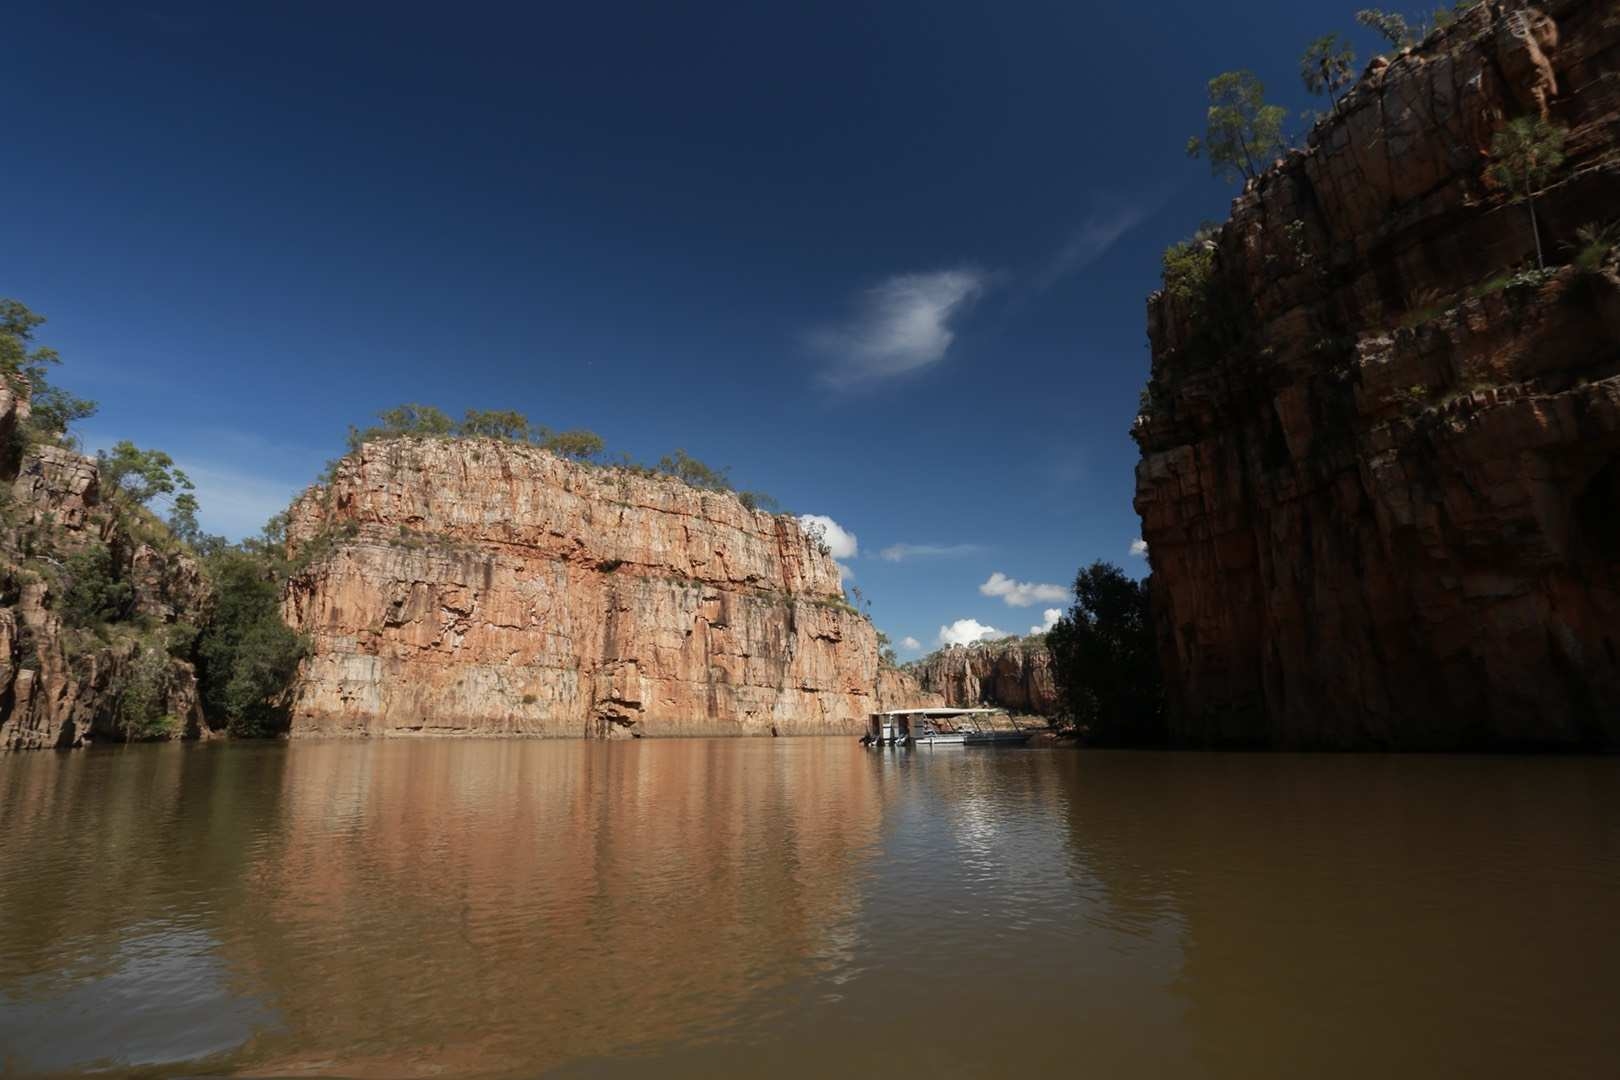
(570, 896)
(800, 907)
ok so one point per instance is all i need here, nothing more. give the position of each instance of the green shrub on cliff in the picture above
(92, 591)
(688, 469)
(1213, 317)
(576, 443)
(494, 424)
(1105, 659)
(1594, 244)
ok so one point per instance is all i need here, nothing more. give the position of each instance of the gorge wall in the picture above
(1380, 479)
(488, 587)
(63, 685)
(1014, 675)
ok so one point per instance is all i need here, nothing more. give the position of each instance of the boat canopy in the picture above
(940, 712)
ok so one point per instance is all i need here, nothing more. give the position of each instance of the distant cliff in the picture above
(67, 678)
(1014, 674)
(478, 586)
(1380, 475)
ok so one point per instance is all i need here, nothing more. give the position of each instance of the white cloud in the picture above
(841, 543)
(839, 540)
(1021, 593)
(1139, 548)
(902, 552)
(968, 631)
(1099, 232)
(1049, 619)
(910, 644)
(900, 324)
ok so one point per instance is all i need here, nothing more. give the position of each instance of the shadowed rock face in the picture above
(1382, 510)
(482, 587)
(60, 688)
(1015, 676)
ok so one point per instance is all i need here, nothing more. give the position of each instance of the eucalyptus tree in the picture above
(1241, 132)
(1524, 155)
(1328, 66)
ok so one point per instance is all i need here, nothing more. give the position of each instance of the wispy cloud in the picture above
(235, 504)
(1139, 548)
(968, 631)
(902, 552)
(1110, 220)
(1021, 593)
(898, 325)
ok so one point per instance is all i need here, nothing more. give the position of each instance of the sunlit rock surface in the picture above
(484, 587)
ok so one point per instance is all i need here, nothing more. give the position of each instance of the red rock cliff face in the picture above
(481, 587)
(1381, 499)
(1012, 675)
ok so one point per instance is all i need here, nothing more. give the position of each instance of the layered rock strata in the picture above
(1013, 675)
(62, 686)
(485, 587)
(1380, 474)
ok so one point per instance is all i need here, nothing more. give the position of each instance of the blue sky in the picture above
(887, 261)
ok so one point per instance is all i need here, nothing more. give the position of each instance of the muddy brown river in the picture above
(804, 908)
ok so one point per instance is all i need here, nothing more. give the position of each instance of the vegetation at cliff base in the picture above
(247, 655)
(1105, 659)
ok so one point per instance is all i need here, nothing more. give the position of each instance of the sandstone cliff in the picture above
(63, 685)
(488, 587)
(1014, 675)
(1380, 479)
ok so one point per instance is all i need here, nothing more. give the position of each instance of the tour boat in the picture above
(941, 727)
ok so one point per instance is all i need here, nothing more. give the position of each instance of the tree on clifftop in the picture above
(1328, 66)
(52, 410)
(1523, 157)
(1243, 133)
(1105, 660)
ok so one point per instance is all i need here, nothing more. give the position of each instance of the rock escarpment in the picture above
(1014, 675)
(1380, 477)
(487, 587)
(63, 685)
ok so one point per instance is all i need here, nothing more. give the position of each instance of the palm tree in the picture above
(1523, 157)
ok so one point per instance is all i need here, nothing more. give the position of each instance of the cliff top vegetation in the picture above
(574, 444)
